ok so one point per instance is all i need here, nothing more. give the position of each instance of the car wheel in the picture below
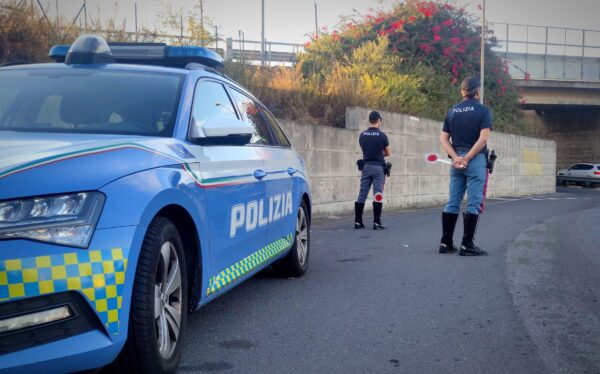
(159, 303)
(295, 263)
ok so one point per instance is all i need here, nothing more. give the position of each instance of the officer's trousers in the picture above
(371, 175)
(472, 180)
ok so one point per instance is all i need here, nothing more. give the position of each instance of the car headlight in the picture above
(61, 219)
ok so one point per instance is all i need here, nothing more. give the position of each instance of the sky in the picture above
(293, 20)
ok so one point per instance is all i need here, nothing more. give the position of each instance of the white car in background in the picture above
(585, 174)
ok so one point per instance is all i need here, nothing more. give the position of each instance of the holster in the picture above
(491, 160)
(387, 168)
(360, 164)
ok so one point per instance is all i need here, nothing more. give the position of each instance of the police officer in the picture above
(465, 134)
(375, 146)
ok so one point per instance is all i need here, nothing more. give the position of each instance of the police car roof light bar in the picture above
(59, 52)
(89, 49)
(94, 49)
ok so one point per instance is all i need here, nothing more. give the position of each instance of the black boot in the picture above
(377, 209)
(468, 248)
(358, 213)
(448, 225)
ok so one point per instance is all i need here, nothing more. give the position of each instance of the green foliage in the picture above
(366, 77)
(423, 51)
(369, 77)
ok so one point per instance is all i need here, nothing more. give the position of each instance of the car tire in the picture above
(154, 342)
(295, 263)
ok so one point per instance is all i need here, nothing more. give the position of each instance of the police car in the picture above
(136, 185)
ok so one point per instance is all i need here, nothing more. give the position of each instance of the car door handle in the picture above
(291, 171)
(259, 174)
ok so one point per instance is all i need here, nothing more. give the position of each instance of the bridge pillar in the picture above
(576, 132)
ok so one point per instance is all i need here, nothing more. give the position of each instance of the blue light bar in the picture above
(146, 54)
(59, 52)
(195, 54)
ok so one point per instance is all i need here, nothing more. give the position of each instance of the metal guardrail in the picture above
(250, 50)
(545, 52)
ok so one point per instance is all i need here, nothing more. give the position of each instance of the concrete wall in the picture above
(524, 166)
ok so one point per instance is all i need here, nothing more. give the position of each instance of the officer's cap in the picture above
(374, 116)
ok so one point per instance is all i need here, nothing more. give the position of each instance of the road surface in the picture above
(387, 302)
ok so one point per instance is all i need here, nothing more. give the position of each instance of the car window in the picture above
(251, 114)
(277, 131)
(587, 167)
(7, 96)
(575, 167)
(78, 100)
(211, 100)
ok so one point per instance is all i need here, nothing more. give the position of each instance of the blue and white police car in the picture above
(136, 184)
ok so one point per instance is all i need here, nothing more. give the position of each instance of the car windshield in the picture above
(84, 100)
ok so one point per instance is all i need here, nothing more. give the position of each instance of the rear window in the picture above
(251, 114)
(277, 132)
(84, 100)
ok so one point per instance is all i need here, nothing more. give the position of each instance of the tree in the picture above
(432, 41)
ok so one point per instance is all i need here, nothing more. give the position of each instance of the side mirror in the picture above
(222, 130)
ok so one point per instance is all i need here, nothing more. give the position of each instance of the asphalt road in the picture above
(387, 302)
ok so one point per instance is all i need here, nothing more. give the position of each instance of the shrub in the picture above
(429, 48)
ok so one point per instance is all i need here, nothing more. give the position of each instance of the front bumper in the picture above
(101, 275)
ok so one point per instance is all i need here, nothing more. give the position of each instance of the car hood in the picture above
(34, 164)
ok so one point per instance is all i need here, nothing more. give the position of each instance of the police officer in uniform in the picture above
(375, 146)
(464, 137)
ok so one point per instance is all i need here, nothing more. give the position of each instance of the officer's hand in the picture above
(460, 163)
(457, 162)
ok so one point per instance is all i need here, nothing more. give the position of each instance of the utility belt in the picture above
(366, 162)
(387, 166)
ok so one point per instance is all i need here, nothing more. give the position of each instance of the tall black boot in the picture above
(377, 209)
(468, 248)
(448, 225)
(358, 214)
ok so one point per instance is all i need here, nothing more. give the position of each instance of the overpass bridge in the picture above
(557, 71)
(554, 67)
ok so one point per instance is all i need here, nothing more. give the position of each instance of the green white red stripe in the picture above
(204, 183)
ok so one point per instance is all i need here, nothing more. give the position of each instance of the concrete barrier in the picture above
(525, 165)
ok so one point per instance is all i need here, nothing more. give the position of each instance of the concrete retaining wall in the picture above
(525, 165)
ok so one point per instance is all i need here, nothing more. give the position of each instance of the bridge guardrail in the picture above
(546, 52)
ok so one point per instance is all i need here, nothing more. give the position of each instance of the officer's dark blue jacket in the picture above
(465, 121)
(372, 142)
